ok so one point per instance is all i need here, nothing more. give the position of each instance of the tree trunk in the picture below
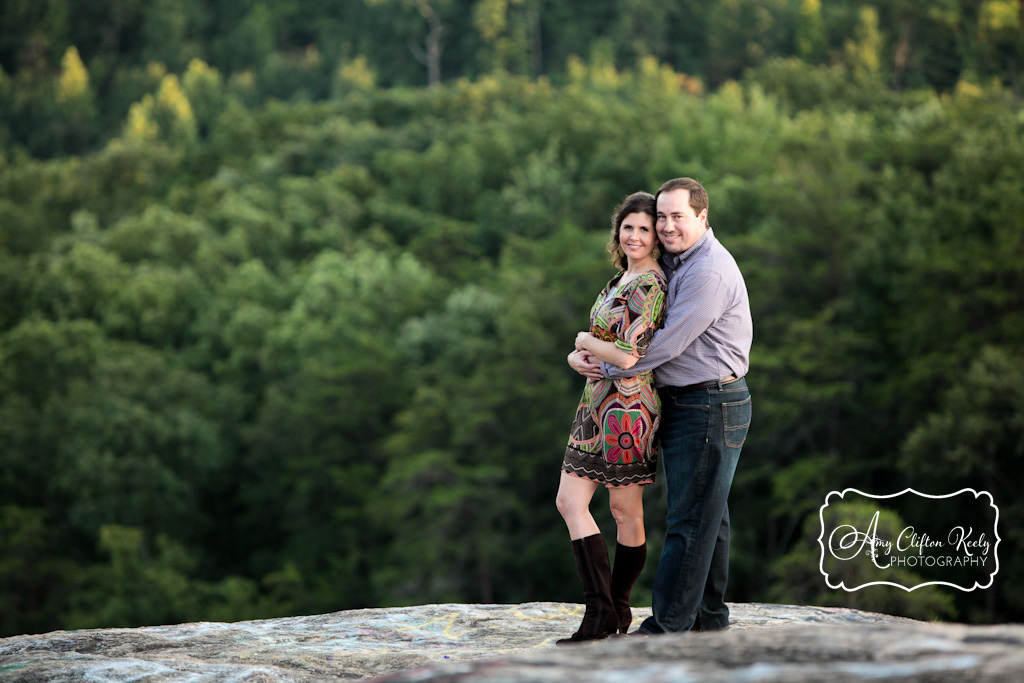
(536, 57)
(901, 55)
(433, 46)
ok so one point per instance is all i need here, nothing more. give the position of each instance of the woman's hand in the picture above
(583, 340)
(598, 350)
(585, 364)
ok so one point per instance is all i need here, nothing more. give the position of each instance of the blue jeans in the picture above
(701, 435)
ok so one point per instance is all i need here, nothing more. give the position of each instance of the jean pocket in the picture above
(736, 417)
(689, 402)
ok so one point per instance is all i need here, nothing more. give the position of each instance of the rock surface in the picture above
(447, 643)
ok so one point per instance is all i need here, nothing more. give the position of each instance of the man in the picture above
(699, 359)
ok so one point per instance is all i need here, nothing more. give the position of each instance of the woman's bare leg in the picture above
(627, 505)
(573, 502)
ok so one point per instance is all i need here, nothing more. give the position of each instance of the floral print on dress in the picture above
(623, 435)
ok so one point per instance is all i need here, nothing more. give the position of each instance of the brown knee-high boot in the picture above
(629, 562)
(599, 620)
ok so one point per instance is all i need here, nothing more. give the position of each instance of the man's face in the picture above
(678, 226)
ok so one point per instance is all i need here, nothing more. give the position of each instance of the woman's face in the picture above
(636, 236)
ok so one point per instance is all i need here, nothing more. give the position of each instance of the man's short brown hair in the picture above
(698, 195)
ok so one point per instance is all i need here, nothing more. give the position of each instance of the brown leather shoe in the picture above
(629, 562)
(599, 620)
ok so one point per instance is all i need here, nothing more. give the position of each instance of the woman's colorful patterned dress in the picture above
(612, 437)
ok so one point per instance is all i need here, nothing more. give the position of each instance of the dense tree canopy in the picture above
(283, 329)
(71, 71)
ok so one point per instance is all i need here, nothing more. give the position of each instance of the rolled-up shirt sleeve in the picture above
(696, 305)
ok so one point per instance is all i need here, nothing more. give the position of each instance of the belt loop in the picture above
(719, 384)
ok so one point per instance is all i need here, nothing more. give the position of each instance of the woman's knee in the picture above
(570, 504)
(627, 511)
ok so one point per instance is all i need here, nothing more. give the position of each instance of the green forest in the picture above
(287, 287)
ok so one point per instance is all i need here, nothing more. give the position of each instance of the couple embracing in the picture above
(666, 355)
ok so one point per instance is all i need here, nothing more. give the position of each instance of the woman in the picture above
(611, 438)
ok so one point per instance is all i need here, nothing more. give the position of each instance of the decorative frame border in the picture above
(842, 584)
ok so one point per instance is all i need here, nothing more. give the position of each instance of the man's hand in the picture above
(585, 364)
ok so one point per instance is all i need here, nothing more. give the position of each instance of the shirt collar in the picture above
(673, 262)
